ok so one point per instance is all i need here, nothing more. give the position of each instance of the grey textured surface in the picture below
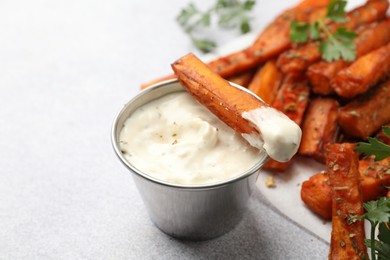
(66, 69)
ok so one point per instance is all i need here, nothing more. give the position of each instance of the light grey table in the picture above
(66, 68)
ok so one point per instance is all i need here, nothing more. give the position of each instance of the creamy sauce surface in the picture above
(175, 139)
(279, 135)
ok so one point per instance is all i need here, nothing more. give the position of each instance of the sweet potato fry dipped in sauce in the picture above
(262, 126)
(347, 239)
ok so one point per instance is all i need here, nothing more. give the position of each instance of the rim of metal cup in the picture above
(115, 143)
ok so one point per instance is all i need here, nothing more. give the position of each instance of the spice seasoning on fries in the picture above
(337, 102)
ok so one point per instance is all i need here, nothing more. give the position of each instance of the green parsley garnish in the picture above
(334, 45)
(378, 213)
(375, 147)
(229, 14)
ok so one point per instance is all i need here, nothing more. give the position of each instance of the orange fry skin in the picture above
(274, 39)
(364, 73)
(292, 99)
(365, 115)
(319, 127)
(299, 59)
(242, 79)
(266, 82)
(369, 38)
(225, 101)
(374, 178)
(347, 239)
(316, 192)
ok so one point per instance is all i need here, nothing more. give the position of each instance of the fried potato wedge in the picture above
(242, 79)
(266, 82)
(271, 42)
(365, 115)
(363, 73)
(319, 127)
(316, 192)
(371, 37)
(347, 239)
(299, 59)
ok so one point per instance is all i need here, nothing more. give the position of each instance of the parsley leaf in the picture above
(186, 15)
(315, 33)
(229, 14)
(378, 213)
(378, 210)
(336, 11)
(386, 130)
(375, 147)
(334, 46)
(299, 31)
(339, 45)
(204, 44)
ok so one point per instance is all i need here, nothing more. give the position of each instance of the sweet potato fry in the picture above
(242, 79)
(319, 127)
(215, 93)
(292, 99)
(272, 41)
(363, 73)
(365, 115)
(299, 59)
(276, 166)
(347, 239)
(374, 177)
(316, 192)
(261, 125)
(266, 81)
(369, 38)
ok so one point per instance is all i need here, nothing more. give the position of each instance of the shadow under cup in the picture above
(193, 212)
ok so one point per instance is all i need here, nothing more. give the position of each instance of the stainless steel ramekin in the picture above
(194, 212)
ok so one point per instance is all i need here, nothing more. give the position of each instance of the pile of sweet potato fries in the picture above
(336, 104)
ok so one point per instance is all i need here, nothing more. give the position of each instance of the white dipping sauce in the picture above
(280, 136)
(177, 140)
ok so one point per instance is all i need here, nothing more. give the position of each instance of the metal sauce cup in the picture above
(193, 212)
